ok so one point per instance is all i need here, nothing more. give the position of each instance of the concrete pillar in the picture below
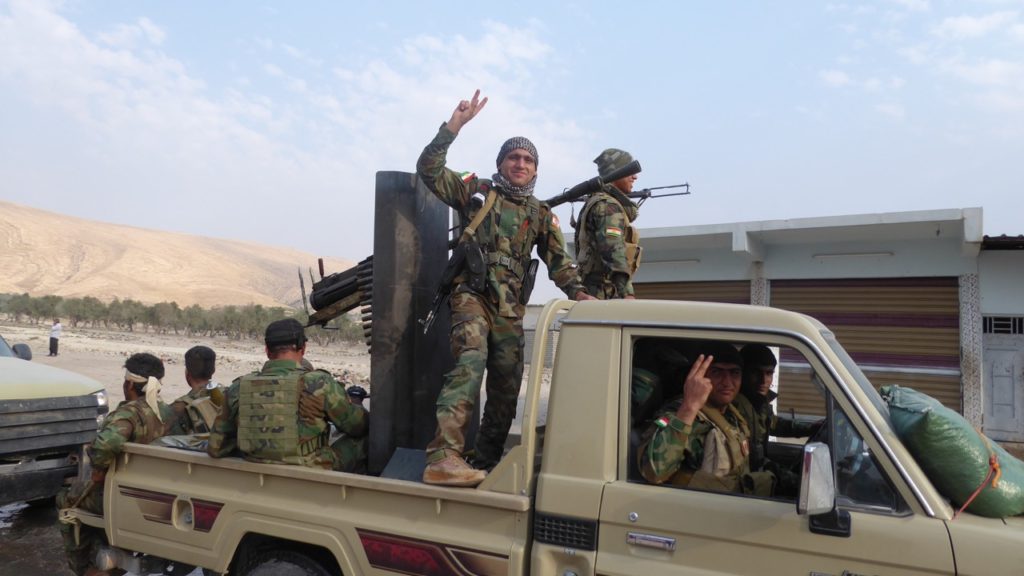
(971, 346)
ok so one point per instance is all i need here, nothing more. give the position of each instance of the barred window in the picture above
(1003, 325)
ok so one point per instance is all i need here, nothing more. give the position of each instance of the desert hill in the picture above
(45, 253)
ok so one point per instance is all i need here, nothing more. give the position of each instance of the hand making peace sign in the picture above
(465, 111)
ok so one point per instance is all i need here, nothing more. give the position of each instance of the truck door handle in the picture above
(651, 541)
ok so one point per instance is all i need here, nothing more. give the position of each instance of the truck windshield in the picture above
(5, 350)
(858, 376)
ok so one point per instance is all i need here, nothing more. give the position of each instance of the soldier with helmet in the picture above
(607, 243)
(280, 414)
(487, 310)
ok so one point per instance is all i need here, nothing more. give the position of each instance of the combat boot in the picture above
(447, 468)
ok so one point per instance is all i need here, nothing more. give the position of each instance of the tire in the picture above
(282, 563)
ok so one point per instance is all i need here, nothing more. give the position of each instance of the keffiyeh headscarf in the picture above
(500, 181)
(151, 389)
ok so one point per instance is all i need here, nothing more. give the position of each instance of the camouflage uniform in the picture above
(681, 454)
(132, 421)
(601, 244)
(260, 417)
(487, 330)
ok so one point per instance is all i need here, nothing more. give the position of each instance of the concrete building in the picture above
(922, 298)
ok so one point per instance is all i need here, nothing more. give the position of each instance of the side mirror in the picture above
(817, 482)
(22, 351)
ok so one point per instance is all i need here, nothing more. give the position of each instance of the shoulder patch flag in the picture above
(467, 176)
(613, 231)
(661, 422)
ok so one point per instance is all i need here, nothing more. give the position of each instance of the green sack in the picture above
(954, 455)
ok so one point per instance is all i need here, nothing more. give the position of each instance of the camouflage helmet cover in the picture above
(611, 160)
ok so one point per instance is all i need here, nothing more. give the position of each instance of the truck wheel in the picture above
(282, 563)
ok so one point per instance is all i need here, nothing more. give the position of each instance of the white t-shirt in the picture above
(55, 330)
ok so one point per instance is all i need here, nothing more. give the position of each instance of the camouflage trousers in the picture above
(81, 555)
(480, 339)
(347, 454)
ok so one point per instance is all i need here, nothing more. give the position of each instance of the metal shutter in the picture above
(902, 331)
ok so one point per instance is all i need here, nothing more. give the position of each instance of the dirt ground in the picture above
(101, 354)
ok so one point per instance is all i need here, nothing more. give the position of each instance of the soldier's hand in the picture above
(465, 111)
(581, 296)
(696, 389)
(311, 407)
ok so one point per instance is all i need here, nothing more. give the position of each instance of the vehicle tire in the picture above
(282, 563)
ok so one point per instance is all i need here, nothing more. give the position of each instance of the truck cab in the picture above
(46, 415)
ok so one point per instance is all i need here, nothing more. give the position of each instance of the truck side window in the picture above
(860, 483)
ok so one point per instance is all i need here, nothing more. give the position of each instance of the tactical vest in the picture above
(590, 265)
(152, 426)
(725, 454)
(508, 255)
(268, 420)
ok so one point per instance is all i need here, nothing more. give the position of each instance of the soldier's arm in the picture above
(451, 187)
(224, 432)
(347, 417)
(181, 424)
(551, 248)
(110, 440)
(608, 229)
(668, 440)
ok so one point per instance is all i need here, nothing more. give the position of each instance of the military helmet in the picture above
(285, 332)
(611, 160)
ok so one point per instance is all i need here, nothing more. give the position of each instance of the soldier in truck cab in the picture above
(280, 414)
(487, 309)
(142, 418)
(699, 439)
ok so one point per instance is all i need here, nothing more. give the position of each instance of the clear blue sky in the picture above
(242, 119)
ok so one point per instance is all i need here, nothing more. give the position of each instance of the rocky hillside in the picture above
(47, 253)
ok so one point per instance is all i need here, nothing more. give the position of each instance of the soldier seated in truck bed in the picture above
(280, 414)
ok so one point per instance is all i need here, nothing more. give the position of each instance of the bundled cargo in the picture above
(966, 466)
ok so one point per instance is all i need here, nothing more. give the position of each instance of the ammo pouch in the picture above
(476, 266)
(529, 279)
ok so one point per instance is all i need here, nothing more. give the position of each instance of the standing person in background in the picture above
(607, 243)
(55, 331)
(488, 305)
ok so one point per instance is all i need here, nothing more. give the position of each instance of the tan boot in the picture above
(452, 470)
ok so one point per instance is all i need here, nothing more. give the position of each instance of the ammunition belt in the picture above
(313, 445)
(514, 265)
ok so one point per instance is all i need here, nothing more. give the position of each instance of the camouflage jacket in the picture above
(760, 415)
(601, 244)
(348, 418)
(131, 421)
(671, 447)
(513, 227)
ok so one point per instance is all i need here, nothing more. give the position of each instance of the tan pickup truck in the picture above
(567, 499)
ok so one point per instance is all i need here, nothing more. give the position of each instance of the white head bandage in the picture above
(151, 389)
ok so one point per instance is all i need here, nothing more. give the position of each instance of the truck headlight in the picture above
(102, 405)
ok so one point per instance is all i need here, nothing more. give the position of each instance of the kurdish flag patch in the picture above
(613, 231)
(467, 176)
(661, 422)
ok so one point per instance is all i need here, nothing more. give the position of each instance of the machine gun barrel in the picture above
(593, 185)
(646, 193)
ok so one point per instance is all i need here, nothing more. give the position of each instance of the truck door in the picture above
(665, 529)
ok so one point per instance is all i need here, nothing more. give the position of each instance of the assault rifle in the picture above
(582, 189)
(642, 195)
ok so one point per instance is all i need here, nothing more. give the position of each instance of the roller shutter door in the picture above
(902, 331)
(733, 292)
